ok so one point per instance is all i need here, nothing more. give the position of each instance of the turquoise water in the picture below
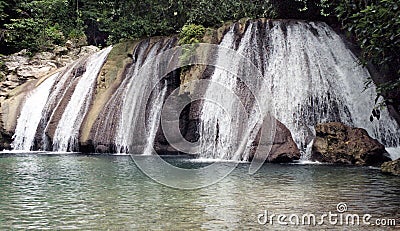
(101, 192)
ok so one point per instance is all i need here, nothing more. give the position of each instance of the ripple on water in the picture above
(110, 192)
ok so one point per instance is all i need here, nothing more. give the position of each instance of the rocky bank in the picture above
(341, 144)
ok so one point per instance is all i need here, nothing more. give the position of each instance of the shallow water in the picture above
(98, 192)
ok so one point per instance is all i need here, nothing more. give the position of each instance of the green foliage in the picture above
(78, 37)
(3, 7)
(33, 34)
(36, 24)
(211, 13)
(191, 34)
(111, 21)
(377, 29)
(375, 26)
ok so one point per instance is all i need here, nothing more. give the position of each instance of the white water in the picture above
(325, 82)
(154, 120)
(311, 78)
(226, 131)
(394, 152)
(66, 134)
(216, 140)
(57, 93)
(129, 132)
(31, 114)
(131, 102)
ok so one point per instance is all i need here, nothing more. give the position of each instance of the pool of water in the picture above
(99, 192)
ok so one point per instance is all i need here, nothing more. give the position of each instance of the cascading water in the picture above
(31, 114)
(154, 118)
(106, 129)
(223, 127)
(311, 77)
(129, 133)
(58, 106)
(66, 134)
(133, 104)
(218, 138)
(306, 69)
(63, 84)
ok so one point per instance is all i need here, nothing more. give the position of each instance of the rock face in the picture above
(283, 149)
(18, 68)
(341, 144)
(391, 167)
(20, 73)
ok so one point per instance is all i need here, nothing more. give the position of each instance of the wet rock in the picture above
(5, 140)
(283, 149)
(102, 149)
(341, 144)
(391, 167)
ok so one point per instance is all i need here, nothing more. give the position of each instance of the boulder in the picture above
(391, 167)
(41, 58)
(341, 144)
(283, 149)
(102, 149)
(88, 50)
(33, 71)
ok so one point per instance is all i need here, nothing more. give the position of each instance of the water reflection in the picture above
(104, 192)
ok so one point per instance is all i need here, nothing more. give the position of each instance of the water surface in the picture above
(98, 192)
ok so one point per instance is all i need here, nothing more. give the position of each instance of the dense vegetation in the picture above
(37, 25)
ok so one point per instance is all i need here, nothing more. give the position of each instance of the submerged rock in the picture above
(341, 144)
(391, 167)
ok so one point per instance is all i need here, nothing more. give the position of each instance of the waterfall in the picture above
(31, 114)
(311, 77)
(63, 84)
(133, 103)
(306, 72)
(130, 136)
(226, 128)
(154, 119)
(66, 133)
(104, 132)
(219, 139)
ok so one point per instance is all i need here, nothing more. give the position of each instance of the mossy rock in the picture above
(391, 167)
